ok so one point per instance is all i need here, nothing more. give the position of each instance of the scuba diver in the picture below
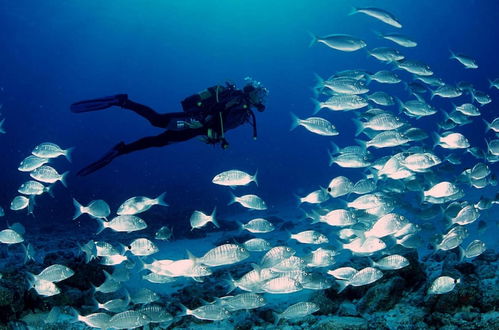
(208, 114)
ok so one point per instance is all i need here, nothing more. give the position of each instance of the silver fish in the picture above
(199, 219)
(386, 54)
(142, 247)
(95, 209)
(48, 174)
(207, 312)
(234, 178)
(363, 277)
(128, 319)
(315, 125)
(310, 237)
(123, 223)
(257, 245)
(226, 254)
(467, 61)
(51, 150)
(443, 284)
(258, 225)
(399, 39)
(249, 201)
(295, 311)
(343, 42)
(140, 204)
(379, 14)
(31, 163)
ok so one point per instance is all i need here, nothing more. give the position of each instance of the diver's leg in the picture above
(165, 138)
(156, 119)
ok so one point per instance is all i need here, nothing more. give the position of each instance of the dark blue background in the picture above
(57, 52)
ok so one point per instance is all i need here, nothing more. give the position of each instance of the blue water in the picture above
(58, 52)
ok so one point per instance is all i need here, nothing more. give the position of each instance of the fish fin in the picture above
(233, 199)
(436, 139)
(314, 39)
(161, 199)
(359, 127)
(461, 254)
(185, 310)
(362, 143)
(277, 318)
(295, 121)
(213, 220)
(487, 125)
(31, 205)
(331, 157)
(452, 55)
(78, 209)
(342, 285)
(49, 189)
(231, 282)
(25, 252)
(317, 106)
(335, 147)
(192, 257)
(101, 226)
(74, 314)
(67, 154)
(64, 178)
(254, 178)
(353, 11)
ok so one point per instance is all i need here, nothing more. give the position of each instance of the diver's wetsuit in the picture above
(209, 114)
(233, 114)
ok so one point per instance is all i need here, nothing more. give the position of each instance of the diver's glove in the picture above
(193, 123)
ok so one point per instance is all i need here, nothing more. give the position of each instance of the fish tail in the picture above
(314, 39)
(362, 143)
(317, 106)
(160, 200)
(436, 139)
(233, 199)
(295, 121)
(254, 178)
(74, 314)
(319, 84)
(342, 284)
(232, 283)
(378, 34)
(31, 205)
(2, 130)
(185, 310)
(49, 189)
(78, 209)
(331, 157)
(67, 154)
(277, 318)
(64, 178)
(26, 254)
(487, 125)
(353, 11)
(300, 201)
(192, 257)
(452, 55)
(101, 226)
(359, 127)
(213, 220)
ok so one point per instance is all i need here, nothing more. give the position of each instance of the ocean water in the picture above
(159, 52)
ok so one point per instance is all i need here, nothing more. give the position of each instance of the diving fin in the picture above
(99, 104)
(105, 160)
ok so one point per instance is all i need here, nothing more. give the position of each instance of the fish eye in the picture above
(129, 247)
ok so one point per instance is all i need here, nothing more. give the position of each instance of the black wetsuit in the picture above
(208, 114)
(231, 111)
